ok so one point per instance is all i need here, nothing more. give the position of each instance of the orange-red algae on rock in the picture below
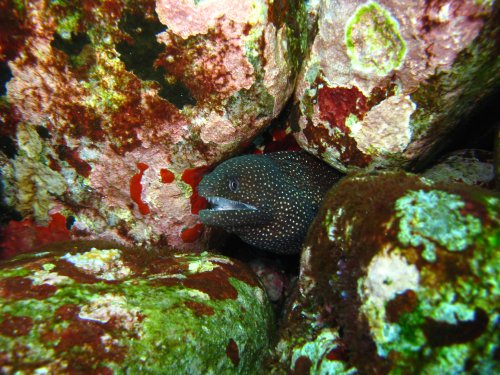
(23, 236)
(338, 103)
(189, 235)
(166, 176)
(192, 177)
(136, 189)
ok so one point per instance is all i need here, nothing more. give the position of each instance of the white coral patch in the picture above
(109, 342)
(102, 263)
(260, 296)
(387, 276)
(305, 258)
(331, 223)
(41, 371)
(49, 278)
(103, 308)
(193, 294)
(386, 127)
(202, 265)
(317, 352)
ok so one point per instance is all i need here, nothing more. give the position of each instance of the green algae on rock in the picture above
(322, 353)
(430, 217)
(373, 40)
(409, 271)
(108, 310)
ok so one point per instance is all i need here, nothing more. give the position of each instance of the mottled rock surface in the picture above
(398, 275)
(497, 159)
(112, 110)
(87, 309)
(471, 167)
(386, 81)
(274, 279)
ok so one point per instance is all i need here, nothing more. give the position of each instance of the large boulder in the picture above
(398, 275)
(90, 308)
(385, 83)
(113, 109)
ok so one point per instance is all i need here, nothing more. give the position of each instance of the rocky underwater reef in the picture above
(113, 112)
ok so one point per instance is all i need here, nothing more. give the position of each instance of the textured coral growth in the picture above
(13, 32)
(73, 158)
(214, 64)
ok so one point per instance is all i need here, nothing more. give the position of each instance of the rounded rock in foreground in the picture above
(407, 271)
(109, 310)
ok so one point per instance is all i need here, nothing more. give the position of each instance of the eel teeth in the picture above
(223, 204)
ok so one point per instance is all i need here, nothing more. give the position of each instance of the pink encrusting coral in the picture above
(100, 90)
(217, 64)
(413, 67)
(185, 18)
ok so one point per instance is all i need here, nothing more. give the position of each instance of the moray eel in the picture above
(267, 200)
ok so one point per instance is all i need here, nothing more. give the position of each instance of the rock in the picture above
(306, 348)
(386, 83)
(497, 159)
(25, 236)
(101, 309)
(402, 276)
(113, 111)
(471, 167)
(273, 278)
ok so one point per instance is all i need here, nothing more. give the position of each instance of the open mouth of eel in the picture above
(223, 204)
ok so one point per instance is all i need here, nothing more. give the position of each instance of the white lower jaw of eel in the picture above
(223, 204)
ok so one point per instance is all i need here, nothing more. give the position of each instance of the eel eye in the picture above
(233, 185)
